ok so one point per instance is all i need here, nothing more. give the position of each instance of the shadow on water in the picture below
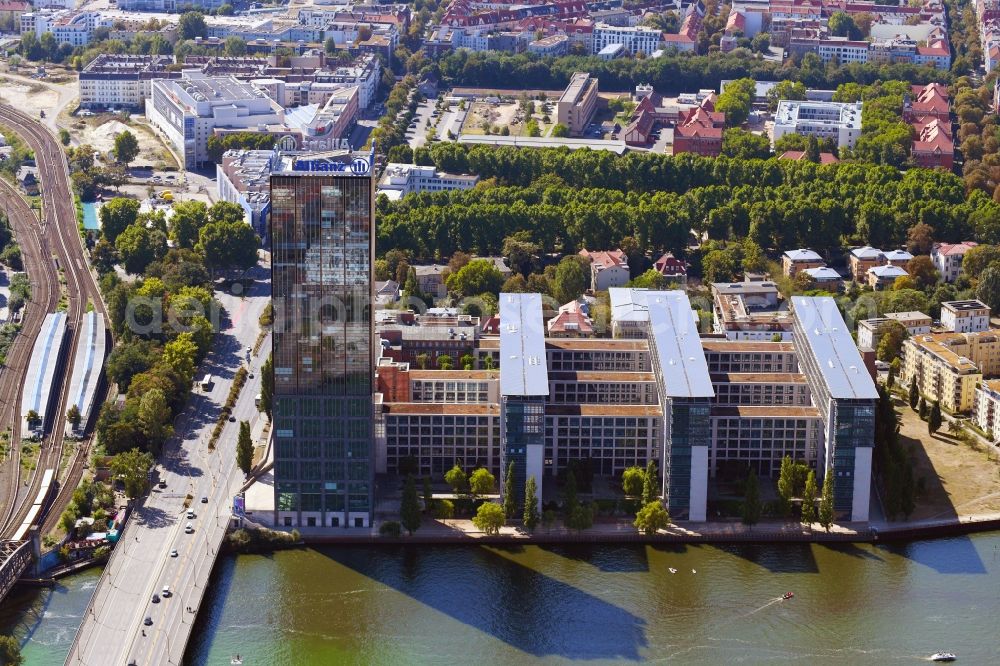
(852, 549)
(627, 558)
(788, 558)
(954, 555)
(515, 601)
(210, 613)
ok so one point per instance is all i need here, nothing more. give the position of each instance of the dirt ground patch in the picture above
(506, 114)
(100, 132)
(959, 478)
(27, 96)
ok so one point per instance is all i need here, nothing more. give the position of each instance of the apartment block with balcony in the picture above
(965, 316)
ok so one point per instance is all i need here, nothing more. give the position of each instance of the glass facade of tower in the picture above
(322, 247)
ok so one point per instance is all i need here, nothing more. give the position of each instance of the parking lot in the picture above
(416, 133)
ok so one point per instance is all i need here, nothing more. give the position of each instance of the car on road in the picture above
(232, 419)
(173, 552)
(189, 528)
(148, 621)
(156, 598)
(191, 515)
(204, 500)
(162, 484)
(166, 592)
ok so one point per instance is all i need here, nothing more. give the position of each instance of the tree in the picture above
(531, 517)
(826, 503)
(735, 101)
(444, 362)
(390, 528)
(428, 494)
(235, 46)
(126, 148)
(139, 246)
(751, 501)
(923, 271)
(267, 386)
(132, 467)
(509, 499)
(489, 518)
(892, 334)
(920, 239)
(914, 394)
(934, 418)
(978, 258)
(719, 266)
(560, 131)
(743, 145)
(580, 518)
(73, 416)
(409, 510)
(423, 360)
(650, 483)
(228, 244)
(154, 417)
(988, 289)
(10, 651)
(812, 150)
(569, 493)
(787, 89)
(244, 448)
(809, 500)
(481, 482)
(128, 359)
(444, 509)
(633, 479)
(922, 408)
(570, 279)
(456, 478)
(179, 355)
(116, 216)
(841, 24)
(651, 518)
(786, 485)
(191, 25)
(476, 277)
(187, 219)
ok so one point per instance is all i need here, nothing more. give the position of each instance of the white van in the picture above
(206, 383)
(166, 592)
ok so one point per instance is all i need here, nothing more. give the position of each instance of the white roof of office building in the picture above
(677, 345)
(827, 339)
(628, 304)
(887, 271)
(523, 369)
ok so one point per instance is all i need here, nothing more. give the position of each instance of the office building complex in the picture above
(322, 244)
(577, 104)
(823, 120)
(402, 179)
(120, 80)
(705, 409)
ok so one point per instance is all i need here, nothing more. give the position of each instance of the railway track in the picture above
(57, 231)
(37, 259)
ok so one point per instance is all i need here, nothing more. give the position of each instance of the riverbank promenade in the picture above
(612, 531)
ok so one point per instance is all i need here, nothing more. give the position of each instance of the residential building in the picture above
(750, 311)
(934, 147)
(965, 316)
(824, 276)
(189, 110)
(398, 180)
(948, 366)
(699, 131)
(607, 269)
(793, 261)
(636, 39)
(870, 330)
(430, 279)
(244, 177)
(27, 178)
(987, 409)
(66, 26)
(863, 258)
(576, 105)
(671, 267)
(553, 45)
(838, 121)
(324, 375)
(572, 321)
(897, 258)
(121, 80)
(882, 277)
(947, 258)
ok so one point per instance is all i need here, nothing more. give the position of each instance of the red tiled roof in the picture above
(950, 249)
(605, 259)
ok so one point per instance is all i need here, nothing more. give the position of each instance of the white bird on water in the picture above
(672, 570)
(694, 571)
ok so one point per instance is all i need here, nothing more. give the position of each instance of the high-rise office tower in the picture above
(322, 251)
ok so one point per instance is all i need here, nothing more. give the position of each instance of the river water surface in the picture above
(854, 604)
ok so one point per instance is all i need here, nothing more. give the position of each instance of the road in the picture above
(59, 229)
(113, 631)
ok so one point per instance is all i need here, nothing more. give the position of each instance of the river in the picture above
(490, 605)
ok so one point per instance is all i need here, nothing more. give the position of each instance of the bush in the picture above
(391, 529)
